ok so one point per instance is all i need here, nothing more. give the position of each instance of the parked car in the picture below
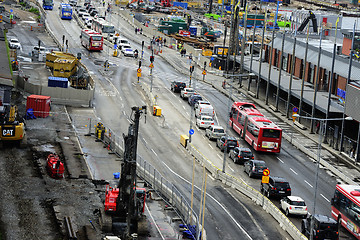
(240, 155)
(231, 142)
(215, 132)
(36, 50)
(73, 2)
(254, 168)
(193, 99)
(293, 205)
(127, 51)
(324, 227)
(14, 43)
(186, 93)
(203, 108)
(177, 86)
(88, 6)
(277, 187)
(120, 45)
(204, 121)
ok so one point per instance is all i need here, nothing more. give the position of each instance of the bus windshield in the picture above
(271, 133)
(96, 38)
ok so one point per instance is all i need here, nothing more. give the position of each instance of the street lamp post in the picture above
(321, 131)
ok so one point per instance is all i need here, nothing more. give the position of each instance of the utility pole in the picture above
(151, 68)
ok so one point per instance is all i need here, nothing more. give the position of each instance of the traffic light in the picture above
(140, 64)
(191, 69)
(151, 58)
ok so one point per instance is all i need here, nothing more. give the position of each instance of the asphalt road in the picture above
(117, 91)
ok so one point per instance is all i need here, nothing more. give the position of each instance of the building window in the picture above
(312, 73)
(284, 63)
(301, 69)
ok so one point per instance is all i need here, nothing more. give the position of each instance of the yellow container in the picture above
(183, 140)
(64, 67)
(157, 111)
(51, 57)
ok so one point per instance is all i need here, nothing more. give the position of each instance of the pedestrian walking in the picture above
(164, 41)
(136, 30)
(140, 30)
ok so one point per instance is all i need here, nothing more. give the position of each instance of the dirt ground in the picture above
(33, 205)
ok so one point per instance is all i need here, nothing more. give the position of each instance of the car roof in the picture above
(324, 218)
(218, 127)
(244, 149)
(203, 102)
(295, 198)
(257, 161)
(278, 179)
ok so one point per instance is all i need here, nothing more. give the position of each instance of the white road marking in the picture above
(183, 107)
(133, 84)
(217, 202)
(157, 227)
(324, 197)
(197, 128)
(154, 152)
(145, 140)
(124, 113)
(219, 156)
(211, 146)
(129, 120)
(280, 160)
(231, 169)
(308, 183)
(293, 171)
(203, 136)
(180, 101)
(187, 113)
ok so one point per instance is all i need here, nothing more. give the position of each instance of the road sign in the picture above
(266, 172)
(191, 131)
(139, 74)
(139, 70)
(0, 18)
(265, 179)
(151, 65)
(204, 72)
(115, 46)
(11, 10)
(295, 109)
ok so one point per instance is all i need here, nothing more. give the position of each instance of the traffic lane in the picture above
(300, 163)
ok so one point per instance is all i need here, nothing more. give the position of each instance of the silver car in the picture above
(215, 132)
(204, 121)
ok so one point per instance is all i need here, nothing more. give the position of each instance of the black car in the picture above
(324, 227)
(254, 168)
(177, 86)
(194, 99)
(231, 143)
(240, 155)
(94, 12)
(277, 187)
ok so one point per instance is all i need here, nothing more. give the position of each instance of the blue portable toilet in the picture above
(57, 82)
(193, 31)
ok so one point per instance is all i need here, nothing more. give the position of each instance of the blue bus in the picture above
(48, 4)
(65, 11)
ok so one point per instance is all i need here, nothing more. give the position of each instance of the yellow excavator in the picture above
(11, 129)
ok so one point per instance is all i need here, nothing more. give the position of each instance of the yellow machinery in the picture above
(51, 57)
(10, 128)
(62, 64)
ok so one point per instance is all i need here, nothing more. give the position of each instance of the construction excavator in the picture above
(12, 129)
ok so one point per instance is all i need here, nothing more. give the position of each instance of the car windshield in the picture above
(271, 133)
(126, 47)
(205, 103)
(206, 118)
(14, 40)
(246, 154)
(260, 164)
(190, 90)
(219, 130)
(297, 203)
(282, 184)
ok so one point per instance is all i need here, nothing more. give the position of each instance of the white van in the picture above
(204, 108)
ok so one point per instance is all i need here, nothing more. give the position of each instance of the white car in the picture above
(88, 22)
(203, 108)
(293, 205)
(81, 12)
(127, 51)
(204, 121)
(186, 93)
(85, 16)
(215, 132)
(14, 43)
(123, 45)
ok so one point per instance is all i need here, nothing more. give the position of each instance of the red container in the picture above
(40, 104)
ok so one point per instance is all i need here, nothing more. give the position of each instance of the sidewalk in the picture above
(339, 163)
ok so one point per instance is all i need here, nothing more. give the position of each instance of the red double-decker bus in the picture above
(92, 40)
(345, 207)
(261, 133)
